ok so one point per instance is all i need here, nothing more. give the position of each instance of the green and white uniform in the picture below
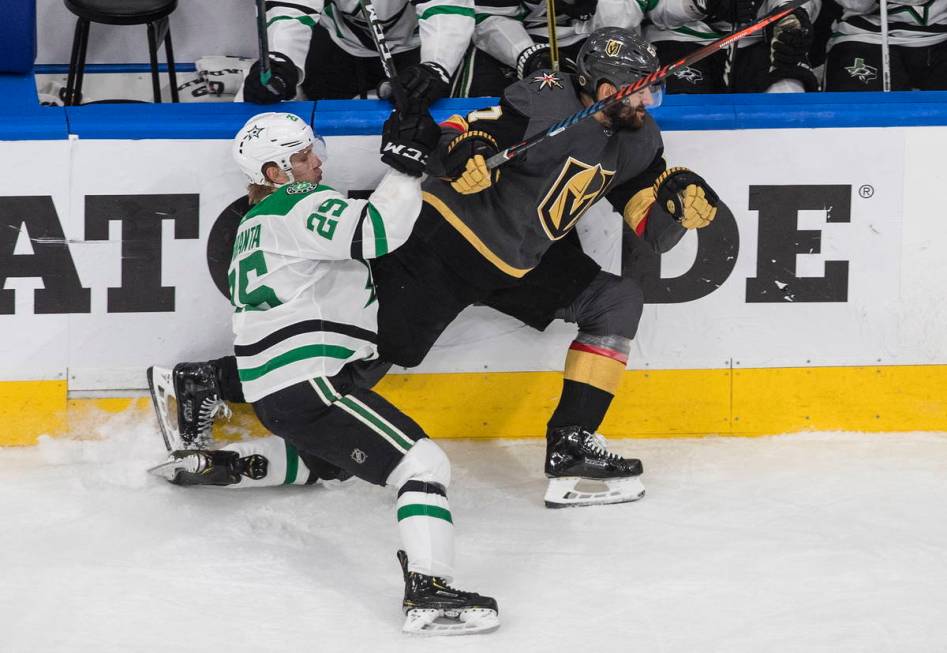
(304, 299)
(442, 28)
(911, 23)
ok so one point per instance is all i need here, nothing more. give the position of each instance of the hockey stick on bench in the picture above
(392, 86)
(660, 74)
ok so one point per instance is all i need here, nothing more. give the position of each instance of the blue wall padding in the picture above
(21, 116)
(24, 119)
(17, 36)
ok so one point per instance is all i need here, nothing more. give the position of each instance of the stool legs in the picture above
(80, 42)
(172, 74)
(153, 56)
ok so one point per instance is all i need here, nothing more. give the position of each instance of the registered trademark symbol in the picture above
(866, 191)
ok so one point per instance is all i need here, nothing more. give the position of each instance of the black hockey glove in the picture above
(426, 81)
(686, 197)
(465, 162)
(730, 11)
(577, 9)
(789, 43)
(535, 57)
(283, 81)
(408, 138)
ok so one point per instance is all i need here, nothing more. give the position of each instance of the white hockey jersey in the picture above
(911, 23)
(443, 28)
(303, 295)
(506, 27)
(683, 20)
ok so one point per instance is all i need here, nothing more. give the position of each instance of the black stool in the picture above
(153, 13)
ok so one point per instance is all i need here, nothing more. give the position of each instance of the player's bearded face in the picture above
(630, 112)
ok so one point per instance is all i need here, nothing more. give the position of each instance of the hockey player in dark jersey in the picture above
(504, 238)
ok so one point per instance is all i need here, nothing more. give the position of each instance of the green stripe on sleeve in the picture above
(294, 355)
(325, 389)
(424, 510)
(446, 9)
(292, 464)
(378, 228)
(305, 20)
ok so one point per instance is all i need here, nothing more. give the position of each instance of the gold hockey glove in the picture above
(466, 162)
(686, 197)
(475, 178)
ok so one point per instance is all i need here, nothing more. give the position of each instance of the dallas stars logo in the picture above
(547, 80)
(254, 132)
(862, 71)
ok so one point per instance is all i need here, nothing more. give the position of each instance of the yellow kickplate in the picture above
(662, 403)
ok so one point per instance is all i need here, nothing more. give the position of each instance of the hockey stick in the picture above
(885, 51)
(660, 74)
(553, 41)
(265, 73)
(391, 87)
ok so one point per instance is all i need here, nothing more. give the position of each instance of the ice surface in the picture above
(816, 542)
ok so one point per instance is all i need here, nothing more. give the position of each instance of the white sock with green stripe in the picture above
(426, 528)
(425, 523)
(284, 466)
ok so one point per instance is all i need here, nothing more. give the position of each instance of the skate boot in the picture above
(187, 401)
(575, 456)
(432, 607)
(202, 467)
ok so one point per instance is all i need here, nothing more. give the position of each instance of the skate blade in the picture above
(161, 387)
(430, 623)
(167, 470)
(563, 492)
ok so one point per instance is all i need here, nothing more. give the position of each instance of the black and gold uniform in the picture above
(504, 238)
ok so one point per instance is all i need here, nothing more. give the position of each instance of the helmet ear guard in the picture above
(273, 137)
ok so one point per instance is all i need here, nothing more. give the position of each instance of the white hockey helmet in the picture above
(273, 137)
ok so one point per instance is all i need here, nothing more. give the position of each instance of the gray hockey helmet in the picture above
(615, 55)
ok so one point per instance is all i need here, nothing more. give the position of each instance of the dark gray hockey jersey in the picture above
(539, 198)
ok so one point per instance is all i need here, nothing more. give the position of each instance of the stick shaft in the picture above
(553, 40)
(381, 44)
(262, 40)
(659, 75)
(885, 50)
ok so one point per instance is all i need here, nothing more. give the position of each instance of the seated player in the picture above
(917, 38)
(511, 40)
(777, 60)
(326, 49)
(305, 322)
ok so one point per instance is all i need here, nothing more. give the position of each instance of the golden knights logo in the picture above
(613, 47)
(577, 188)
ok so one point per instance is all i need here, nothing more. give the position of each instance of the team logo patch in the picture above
(300, 188)
(688, 74)
(862, 71)
(613, 47)
(578, 187)
(547, 80)
(359, 456)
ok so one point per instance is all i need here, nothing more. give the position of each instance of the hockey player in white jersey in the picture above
(326, 48)
(917, 37)
(512, 38)
(305, 323)
(776, 60)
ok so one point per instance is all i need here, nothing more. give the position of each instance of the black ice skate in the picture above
(432, 607)
(575, 456)
(196, 397)
(201, 467)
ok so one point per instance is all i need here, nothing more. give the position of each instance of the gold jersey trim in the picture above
(472, 238)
